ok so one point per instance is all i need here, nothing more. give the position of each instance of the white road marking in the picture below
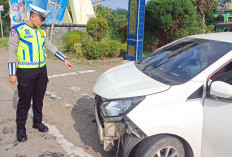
(68, 105)
(86, 71)
(72, 73)
(75, 88)
(52, 95)
(70, 148)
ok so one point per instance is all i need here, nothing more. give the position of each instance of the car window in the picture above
(182, 60)
(224, 74)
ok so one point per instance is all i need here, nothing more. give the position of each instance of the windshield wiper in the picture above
(153, 63)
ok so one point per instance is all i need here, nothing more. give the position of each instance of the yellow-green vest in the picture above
(30, 53)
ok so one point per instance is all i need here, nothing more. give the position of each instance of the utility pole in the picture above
(1, 9)
(55, 3)
(26, 9)
(95, 6)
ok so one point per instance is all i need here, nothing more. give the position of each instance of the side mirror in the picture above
(221, 89)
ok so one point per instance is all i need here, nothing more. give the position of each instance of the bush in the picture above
(78, 50)
(115, 48)
(123, 30)
(106, 49)
(71, 38)
(93, 49)
(103, 49)
(123, 51)
(97, 28)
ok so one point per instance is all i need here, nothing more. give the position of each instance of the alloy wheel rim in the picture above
(167, 151)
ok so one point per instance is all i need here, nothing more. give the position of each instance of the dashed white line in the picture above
(72, 73)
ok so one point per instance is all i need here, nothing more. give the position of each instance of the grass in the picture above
(82, 62)
(4, 43)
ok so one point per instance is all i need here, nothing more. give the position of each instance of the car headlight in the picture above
(119, 107)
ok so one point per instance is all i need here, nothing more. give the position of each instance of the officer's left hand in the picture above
(68, 64)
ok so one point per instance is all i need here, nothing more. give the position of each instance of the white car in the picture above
(176, 102)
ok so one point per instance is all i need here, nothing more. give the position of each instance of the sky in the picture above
(114, 4)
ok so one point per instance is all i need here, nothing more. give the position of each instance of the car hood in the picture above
(126, 81)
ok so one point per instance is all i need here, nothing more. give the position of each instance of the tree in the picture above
(167, 18)
(5, 17)
(97, 28)
(115, 19)
(205, 9)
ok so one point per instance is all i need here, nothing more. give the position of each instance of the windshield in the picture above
(180, 61)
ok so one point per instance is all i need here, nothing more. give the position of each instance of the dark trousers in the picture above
(32, 84)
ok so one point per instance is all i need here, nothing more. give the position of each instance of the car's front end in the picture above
(113, 124)
(115, 129)
(159, 95)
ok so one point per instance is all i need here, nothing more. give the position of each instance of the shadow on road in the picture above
(84, 117)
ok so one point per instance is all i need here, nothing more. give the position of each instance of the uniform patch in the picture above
(12, 32)
(41, 32)
(27, 32)
(28, 36)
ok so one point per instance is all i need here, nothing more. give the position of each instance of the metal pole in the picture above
(53, 20)
(26, 9)
(95, 6)
(1, 24)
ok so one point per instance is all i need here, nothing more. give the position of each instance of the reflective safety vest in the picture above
(30, 53)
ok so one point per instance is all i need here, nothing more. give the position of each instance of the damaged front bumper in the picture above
(114, 131)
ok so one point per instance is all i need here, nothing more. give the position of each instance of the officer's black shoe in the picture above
(21, 134)
(40, 126)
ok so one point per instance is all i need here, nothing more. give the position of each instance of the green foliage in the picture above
(115, 19)
(94, 49)
(123, 31)
(115, 47)
(164, 18)
(97, 28)
(5, 17)
(123, 50)
(106, 50)
(71, 38)
(103, 49)
(197, 28)
(78, 50)
(205, 9)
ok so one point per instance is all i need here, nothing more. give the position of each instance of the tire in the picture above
(159, 145)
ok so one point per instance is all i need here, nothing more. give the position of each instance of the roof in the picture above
(229, 6)
(222, 36)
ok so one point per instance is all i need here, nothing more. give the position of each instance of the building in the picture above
(226, 13)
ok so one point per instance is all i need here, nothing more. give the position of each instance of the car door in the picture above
(217, 116)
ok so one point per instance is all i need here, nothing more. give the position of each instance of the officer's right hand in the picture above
(13, 80)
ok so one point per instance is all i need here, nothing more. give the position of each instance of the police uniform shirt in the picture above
(13, 47)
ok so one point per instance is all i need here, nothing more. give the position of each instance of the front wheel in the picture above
(159, 146)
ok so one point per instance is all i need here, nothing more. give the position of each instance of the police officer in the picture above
(27, 42)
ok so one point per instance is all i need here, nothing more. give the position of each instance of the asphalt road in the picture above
(68, 112)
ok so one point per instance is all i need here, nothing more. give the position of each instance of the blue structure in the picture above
(18, 14)
(135, 31)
